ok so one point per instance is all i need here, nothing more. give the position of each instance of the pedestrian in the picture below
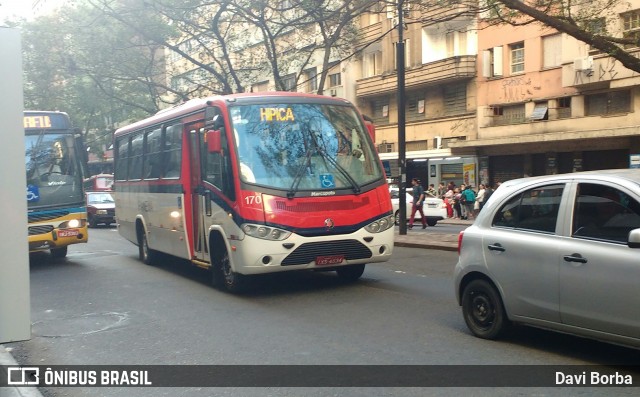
(442, 190)
(418, 200)
(479, 199)
(432, 191)
(448, 202)
(488, 191)
(462, 199)
(457, 208)
(469, 201)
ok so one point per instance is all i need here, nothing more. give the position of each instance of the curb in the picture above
(425, 246)
(6, 360)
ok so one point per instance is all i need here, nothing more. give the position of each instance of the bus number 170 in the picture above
(255, 199)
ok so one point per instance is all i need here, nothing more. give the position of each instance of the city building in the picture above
(548, 103)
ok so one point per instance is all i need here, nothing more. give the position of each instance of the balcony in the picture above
(452, 69)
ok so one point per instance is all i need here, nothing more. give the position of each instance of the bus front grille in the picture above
(43, 229)
(308, 252)
(47, 216)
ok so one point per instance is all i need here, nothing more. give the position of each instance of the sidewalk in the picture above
(6, 359)
(432, 240)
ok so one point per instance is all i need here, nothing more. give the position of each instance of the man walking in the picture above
(418, 199)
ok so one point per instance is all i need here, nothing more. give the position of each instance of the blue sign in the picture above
(326, 181)
(387, 168)
(33, 194)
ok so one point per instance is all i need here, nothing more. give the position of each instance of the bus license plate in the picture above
(68, 233)
(329, 260)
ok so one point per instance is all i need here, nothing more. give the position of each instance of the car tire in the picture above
(483, 310)
(432, 222)
(396, 218)
(350, 273)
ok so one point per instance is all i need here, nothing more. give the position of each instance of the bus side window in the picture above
(172, 151)
(216, 167)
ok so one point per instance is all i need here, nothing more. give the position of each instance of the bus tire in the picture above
(222, 276)
(59, 253)
(145, 254)
(350, 273)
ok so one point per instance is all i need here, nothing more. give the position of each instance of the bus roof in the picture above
(197, 104)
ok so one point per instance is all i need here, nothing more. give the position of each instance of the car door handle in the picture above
(575, 258)
(496, 247)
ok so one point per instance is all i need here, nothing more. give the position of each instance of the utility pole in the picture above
(401, 120)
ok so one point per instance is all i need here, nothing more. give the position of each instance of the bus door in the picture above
(197, 192)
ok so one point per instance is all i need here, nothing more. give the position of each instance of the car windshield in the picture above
(99, 198)
(295, 146)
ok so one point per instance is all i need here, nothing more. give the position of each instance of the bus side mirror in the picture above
(214, 142)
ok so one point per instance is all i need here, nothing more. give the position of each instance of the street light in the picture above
(401, 120)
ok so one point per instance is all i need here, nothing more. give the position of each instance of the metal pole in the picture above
(401, 120)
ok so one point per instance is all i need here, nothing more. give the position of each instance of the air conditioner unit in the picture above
(583, 64)
(437, 142)
(333, 92)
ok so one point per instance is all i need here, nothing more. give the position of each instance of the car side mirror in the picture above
(634, 239)
(214, 141)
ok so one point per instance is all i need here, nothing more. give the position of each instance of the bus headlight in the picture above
(265, 232)
(380, 225)
(73, 223)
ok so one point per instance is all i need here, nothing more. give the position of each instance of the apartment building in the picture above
(549, 104)
(440, 90)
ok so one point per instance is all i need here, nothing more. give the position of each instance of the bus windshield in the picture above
(53, 177)
(299, 146)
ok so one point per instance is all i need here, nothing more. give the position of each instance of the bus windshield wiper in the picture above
(296, 180)
(354, 185)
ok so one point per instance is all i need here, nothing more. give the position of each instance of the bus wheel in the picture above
(224, 276)
(146, 255)
(59, 253)
(350, 273)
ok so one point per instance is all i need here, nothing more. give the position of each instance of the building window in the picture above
(492, 62)
(335, 80)
(380, 109)
(564, 107)
(595, 26)
(455, 99)
(289, 83)
(540, 111)
(517, 58)
(551, 51)
(614, 102)
(631, 27)
(312, 79)
(504, 115)
(407, 53)
(415, 106)
(372, 64)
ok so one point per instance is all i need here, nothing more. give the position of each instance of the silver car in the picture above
(560, 252)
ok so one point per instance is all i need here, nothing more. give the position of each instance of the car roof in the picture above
(629, 174)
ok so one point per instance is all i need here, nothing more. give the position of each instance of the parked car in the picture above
(560, 252)
(101, 208)
(433, 207)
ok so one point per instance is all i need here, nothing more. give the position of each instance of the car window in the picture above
(535, 209)
(604, 213)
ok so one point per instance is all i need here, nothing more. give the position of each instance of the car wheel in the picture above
(432, 222)
(59, 253)
(483, 310)
(350, 273)
(396, 218)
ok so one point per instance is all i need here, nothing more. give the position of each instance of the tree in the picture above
(586, 22)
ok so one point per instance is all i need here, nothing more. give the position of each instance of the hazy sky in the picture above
(14, 7)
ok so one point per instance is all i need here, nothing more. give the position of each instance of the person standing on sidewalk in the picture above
(469, 201)
(418, 199)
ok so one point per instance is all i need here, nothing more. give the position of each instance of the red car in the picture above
(101, 208)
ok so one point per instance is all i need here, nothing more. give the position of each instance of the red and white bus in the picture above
(255, 183)
(98, 183)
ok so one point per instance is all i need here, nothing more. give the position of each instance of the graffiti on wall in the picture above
(518, 89)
